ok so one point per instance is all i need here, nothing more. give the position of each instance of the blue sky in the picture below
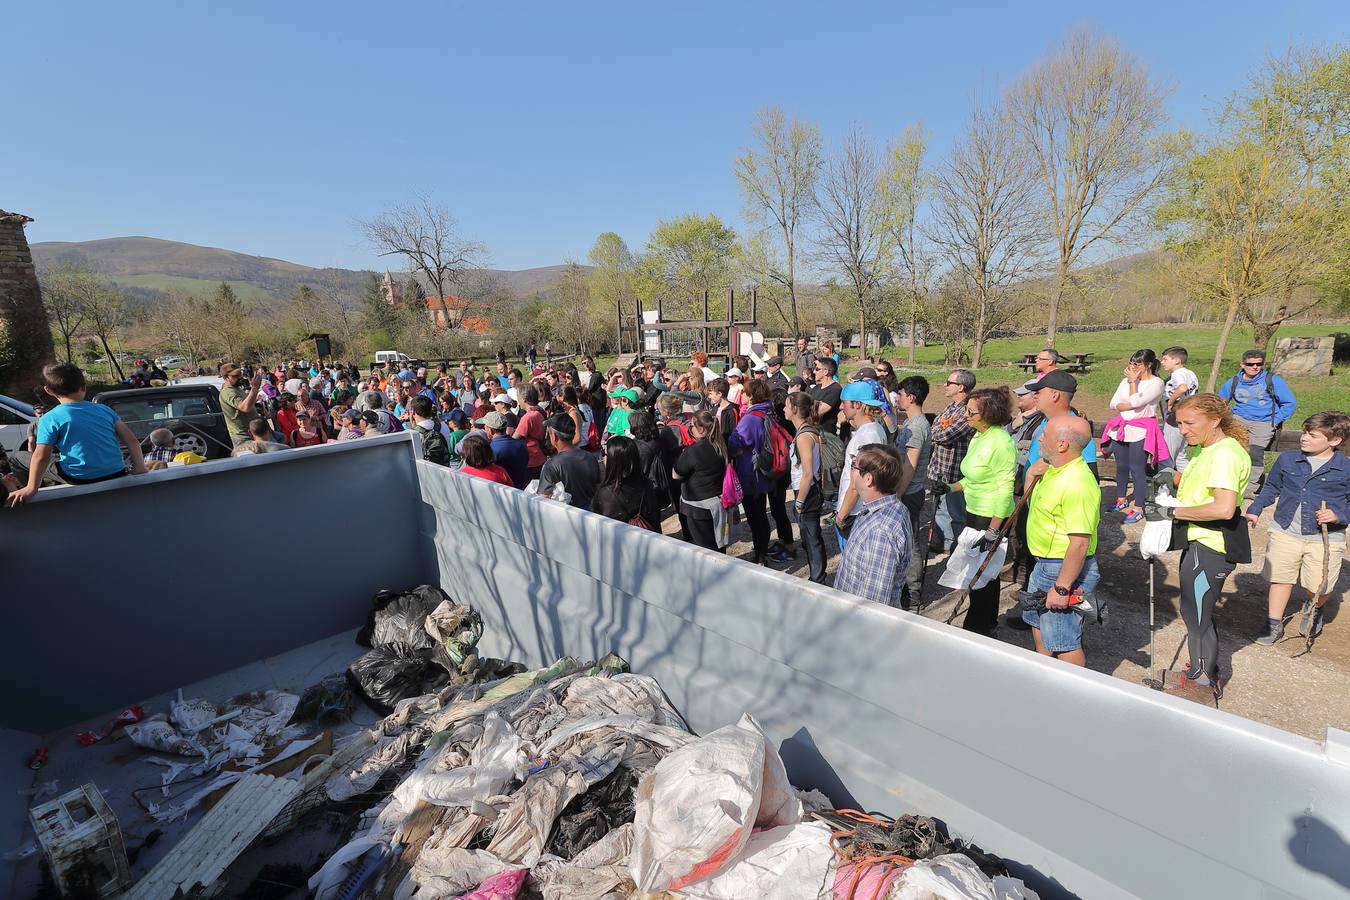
(272, 128)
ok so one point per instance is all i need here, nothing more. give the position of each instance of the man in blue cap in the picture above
(863, 405)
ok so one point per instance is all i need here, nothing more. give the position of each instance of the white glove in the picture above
(1166, 500)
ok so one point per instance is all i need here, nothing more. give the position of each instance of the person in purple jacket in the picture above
(743, 444)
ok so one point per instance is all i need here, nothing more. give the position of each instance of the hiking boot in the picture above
(1310, 619)
(1271, 635)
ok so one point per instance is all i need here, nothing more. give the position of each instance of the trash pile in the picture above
(489, 782)
(580, 781)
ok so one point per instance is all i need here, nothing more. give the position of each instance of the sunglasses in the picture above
(1254, 364)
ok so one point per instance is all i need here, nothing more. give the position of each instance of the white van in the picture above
(15, 417)
(384, 357)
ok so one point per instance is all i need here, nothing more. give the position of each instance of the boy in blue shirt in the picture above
(1310, 488)
(85, 434)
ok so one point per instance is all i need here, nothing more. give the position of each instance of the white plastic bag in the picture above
(790, 862)
(696, 808)
(1156, 539)
(965, 561)
(955, 877)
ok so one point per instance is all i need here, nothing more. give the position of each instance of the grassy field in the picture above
(247, 293)
(1110, 350)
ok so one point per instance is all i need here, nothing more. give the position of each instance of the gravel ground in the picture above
(1303, 695)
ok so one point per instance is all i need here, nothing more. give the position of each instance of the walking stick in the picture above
(984, 564)
(1310, 607)
(1152, 681)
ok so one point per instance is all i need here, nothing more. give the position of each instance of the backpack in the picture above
(681, 427)
(772, 458)
(1270, 392)
(831, 451)
(434, 446)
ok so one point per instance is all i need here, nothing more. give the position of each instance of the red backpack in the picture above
(681, 426)
(772, 458)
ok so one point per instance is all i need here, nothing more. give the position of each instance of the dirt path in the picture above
(1303, 695)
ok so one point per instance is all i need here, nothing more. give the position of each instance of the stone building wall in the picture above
(25, 337)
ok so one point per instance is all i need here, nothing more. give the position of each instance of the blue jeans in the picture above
(950, 516)
(1061, 632)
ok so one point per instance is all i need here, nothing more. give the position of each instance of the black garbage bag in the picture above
(401, 616)
(607, 805)
(393, 672)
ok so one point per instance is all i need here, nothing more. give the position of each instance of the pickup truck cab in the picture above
(190, 411)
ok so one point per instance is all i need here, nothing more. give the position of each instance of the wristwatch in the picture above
(1063, 591)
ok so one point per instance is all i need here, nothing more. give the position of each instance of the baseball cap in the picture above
(227, 369)
(625, 393)
(1057, 380)
(734, 371)
(494, 420)
(774, 361)
(370, 418)
(1027, 387)
(866, 391)
(457, 416)
(562, 424)
(352, 414)
(302, 414)
(865, 373)
(762, 367)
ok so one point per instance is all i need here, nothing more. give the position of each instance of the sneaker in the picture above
(781, 555)
(775, 547)
(1133, 517)
(1197, 690)
(1316, 624)
(1120, 504)
(1273, 632)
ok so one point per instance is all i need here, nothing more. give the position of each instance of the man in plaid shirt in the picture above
(950, 434)
(876, 558)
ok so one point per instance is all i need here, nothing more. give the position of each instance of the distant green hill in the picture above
(151, 265)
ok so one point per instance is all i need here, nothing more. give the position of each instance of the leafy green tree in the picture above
(231, 321)
(612, 277)
(685, 257)
(906, 185)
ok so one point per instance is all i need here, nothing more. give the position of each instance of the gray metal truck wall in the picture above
(118, 591)
(1102, 787)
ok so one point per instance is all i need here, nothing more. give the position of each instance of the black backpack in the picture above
(434, 446)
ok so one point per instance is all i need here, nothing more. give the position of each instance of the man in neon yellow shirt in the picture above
(1062, 518)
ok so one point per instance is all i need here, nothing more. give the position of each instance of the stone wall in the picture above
(25, 337)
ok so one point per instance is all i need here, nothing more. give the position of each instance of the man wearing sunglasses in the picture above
(1262, 401)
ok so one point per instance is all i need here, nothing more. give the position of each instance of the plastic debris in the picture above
(395, 671)
(128, 716)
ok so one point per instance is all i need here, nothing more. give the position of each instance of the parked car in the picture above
(15, 417)
(394, 357)
(190, 411)
(171, 362)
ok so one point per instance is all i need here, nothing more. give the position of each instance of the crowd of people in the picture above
(858, 459)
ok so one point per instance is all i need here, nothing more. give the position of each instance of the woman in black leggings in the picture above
(1210, 528)
(1136, 398)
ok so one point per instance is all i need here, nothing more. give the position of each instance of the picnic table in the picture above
(1077, 363)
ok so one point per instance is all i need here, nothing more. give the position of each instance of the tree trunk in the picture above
(1061, 278)
(113, 364)
(1264, 333)
(977, 352)
(1223, 343)
(69, 358)
(913, 326)
(862, 329)
(792, 299)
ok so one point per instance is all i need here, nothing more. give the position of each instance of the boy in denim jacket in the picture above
(1310, 488)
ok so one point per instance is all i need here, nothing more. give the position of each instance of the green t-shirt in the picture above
(1065, 501)
(236, 422)
(617, 423)
(987, 473)
(1226, 465)
(455, 438)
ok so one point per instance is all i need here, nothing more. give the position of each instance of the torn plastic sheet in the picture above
(600, 872)
(495, 761)
(224, 779)
(502, 886)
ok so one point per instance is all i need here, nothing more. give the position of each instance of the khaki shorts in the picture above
(1292, 561)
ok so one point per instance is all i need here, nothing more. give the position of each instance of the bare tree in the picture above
(106, 311)
(1091, 115)
(853, 236)
(987, 222)
(428, 237)
(905, 186)
(67, 291)
(778, 178)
